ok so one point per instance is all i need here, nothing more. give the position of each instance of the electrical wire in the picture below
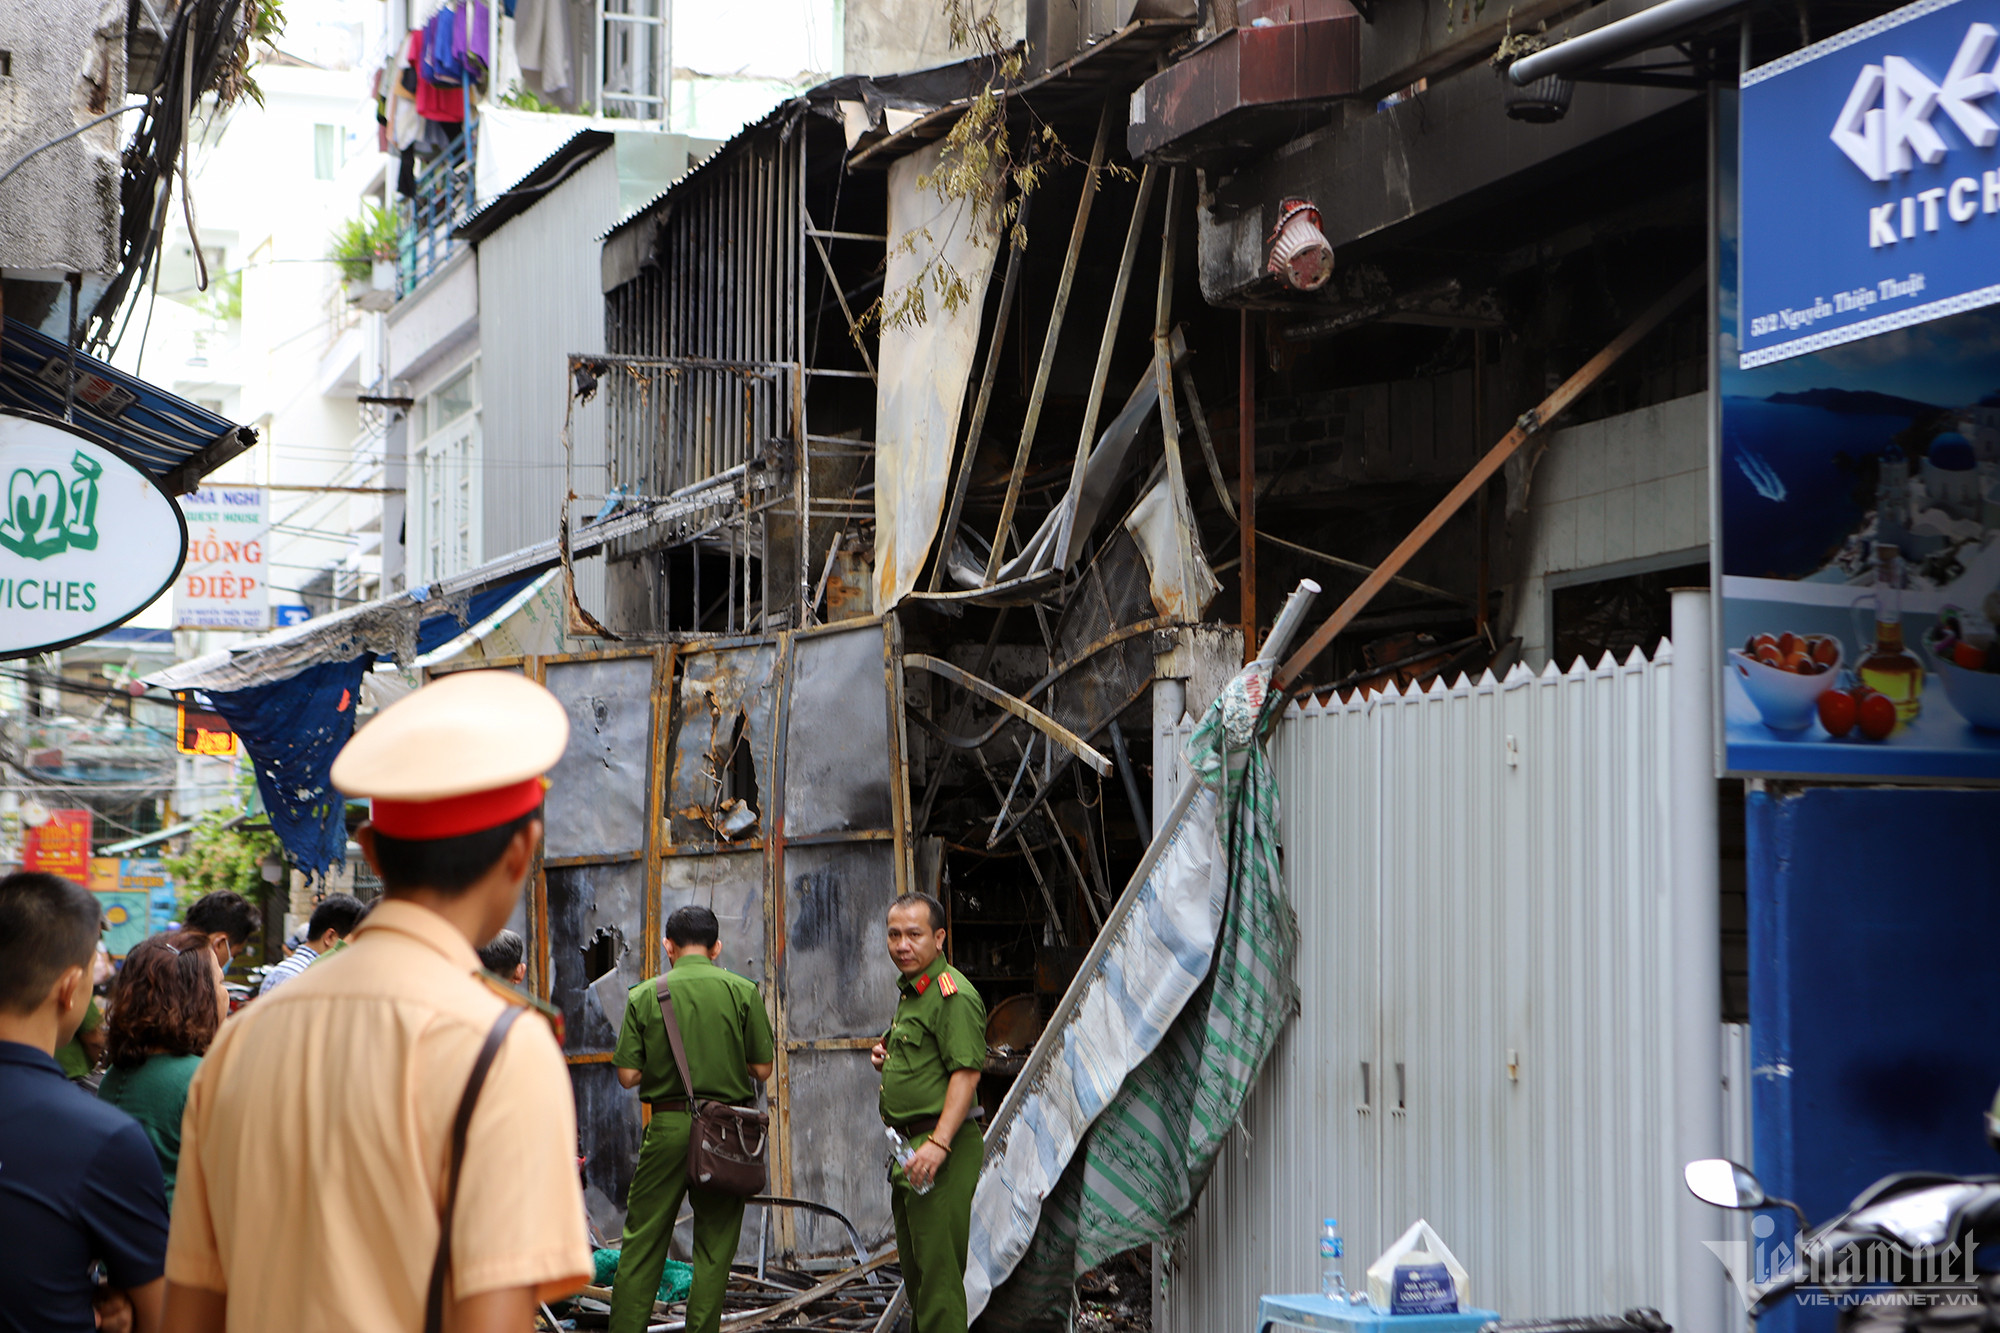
(22, 160)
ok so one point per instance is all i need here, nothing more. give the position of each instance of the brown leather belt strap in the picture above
(441, 1265)
(670, 1104)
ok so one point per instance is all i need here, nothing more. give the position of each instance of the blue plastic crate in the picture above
(1317, 1312)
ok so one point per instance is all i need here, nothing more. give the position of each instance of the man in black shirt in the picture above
(79, 1183)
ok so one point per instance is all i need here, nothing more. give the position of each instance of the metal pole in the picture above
(1049, 341)
(1694, 897)
(1246, 486)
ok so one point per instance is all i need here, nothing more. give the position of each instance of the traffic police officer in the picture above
(318, 1129)
(727, 1038)
(930, 1061)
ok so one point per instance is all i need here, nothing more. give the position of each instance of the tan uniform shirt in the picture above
(314, 1148)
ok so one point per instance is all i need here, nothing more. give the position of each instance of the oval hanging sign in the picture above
(87, 540)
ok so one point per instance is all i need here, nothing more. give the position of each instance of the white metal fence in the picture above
(1482, 881)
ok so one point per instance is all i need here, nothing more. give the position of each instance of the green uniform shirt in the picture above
(75, 1061)
(154, 1093)
(940, 1028)
(723, 1027)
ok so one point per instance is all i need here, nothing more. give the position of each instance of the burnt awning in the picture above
(171, 438)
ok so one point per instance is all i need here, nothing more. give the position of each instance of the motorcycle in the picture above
(1900, 1258)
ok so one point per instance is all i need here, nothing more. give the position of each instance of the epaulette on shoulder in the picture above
(946, 986)
(514, 995)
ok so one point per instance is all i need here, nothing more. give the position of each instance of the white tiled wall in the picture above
(1621, 489)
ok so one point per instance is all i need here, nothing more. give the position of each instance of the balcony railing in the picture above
(424, 222)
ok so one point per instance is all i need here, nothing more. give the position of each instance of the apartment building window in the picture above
(326, 151)
(633, 58)
(446, 470)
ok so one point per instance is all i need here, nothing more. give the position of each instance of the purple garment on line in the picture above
(476, 38)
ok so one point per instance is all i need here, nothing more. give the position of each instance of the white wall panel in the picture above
(1481, 877)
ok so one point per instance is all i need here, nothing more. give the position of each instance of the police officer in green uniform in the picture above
(727, 1037)
(930, 1061)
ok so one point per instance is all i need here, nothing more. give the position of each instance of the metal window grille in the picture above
(425, 220)
(634, 59)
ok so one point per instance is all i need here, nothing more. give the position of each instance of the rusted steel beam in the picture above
(1027, 712)
(1054, 335)
(1201, 433)
(963, 482)
(853, 325)
(1469, 485)
(1094, 403)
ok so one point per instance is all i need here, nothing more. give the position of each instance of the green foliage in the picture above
(520, 97)
(265, 25)
(220, 857)
(358, 242)
(977, 162)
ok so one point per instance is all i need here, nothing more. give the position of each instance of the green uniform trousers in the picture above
(658, 1186)
(932, 1231)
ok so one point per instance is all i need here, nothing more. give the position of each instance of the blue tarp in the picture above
(292, 730)
(437, 631)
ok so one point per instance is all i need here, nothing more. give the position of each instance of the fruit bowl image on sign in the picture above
(1784, 675)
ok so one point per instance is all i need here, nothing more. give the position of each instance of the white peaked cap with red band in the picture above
(462, 754)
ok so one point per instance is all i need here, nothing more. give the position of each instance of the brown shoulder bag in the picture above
(726, 1143)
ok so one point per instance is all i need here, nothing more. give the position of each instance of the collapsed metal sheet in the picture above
(724, 702)
(838, 1154)
(838, 755)
(924, 364)
(594, 912)
(608, 1126)
(730, 884)
(596, 804)
(1162, 523)
(838, 979)
(1114, 592)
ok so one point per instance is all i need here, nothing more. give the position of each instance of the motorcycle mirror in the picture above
(1719, 1181)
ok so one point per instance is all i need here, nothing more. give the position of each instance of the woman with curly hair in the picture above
(165, 1010)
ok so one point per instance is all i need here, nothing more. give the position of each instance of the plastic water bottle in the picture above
(901, 1151)
(1332, 1280)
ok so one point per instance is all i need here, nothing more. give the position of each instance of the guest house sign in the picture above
(87, 540)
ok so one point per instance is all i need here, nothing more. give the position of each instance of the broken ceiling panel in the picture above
(596, 805)
(594, 924)
(721, 737)
(839, 755)
(730, 884)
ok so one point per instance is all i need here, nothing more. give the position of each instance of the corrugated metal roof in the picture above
(169, 437)
(528, 191)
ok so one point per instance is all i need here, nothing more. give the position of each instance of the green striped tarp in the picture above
(1142, 1165)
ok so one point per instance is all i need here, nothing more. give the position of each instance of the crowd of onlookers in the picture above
(87, 1182)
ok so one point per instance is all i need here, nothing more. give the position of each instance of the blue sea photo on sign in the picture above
(1858, 526)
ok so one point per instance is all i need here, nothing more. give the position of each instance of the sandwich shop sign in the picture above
(1871, 180)
(87, 540)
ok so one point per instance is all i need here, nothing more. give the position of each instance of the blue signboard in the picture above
(1857, 547)
(290, 613)
(1871, 180)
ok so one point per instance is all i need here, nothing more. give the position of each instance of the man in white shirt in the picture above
(334, 919)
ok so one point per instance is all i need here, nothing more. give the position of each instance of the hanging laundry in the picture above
(541, 41)
(442, 64)
(442, 105)
(475, 29)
